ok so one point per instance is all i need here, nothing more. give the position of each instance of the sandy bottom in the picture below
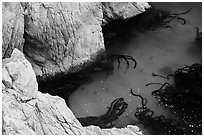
(161, 51)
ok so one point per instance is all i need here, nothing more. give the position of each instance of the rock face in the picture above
(28, 111)
(60, 37)
(12, 28)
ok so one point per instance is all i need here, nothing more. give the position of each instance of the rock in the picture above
(43, 115)
(26, 111)
(60, 38)
(119, 18)
(47, 115)
(12, 28)
(6, 79)
(18, 74)
(129, 130)
(122, 10)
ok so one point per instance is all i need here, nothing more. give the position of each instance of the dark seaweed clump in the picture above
(106, 120)
(149, 20)
(184, 97)
(158, 125)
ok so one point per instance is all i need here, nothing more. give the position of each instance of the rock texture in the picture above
(122, 10)
(60, 37)
(17, 73)
(12, 28)
(28, 111)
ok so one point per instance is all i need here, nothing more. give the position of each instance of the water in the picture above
(161, 51)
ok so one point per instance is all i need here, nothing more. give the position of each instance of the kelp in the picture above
(156, 124)
(149, 20)
(106, 63)
(117, 107)
(184, 96)
(154, 18)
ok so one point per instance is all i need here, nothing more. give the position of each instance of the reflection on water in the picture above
(162, 51)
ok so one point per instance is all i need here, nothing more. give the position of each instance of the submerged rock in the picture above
(60, 38)
(28, 111)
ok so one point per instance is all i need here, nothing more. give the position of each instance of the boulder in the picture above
(17, 73)
(60, 38)
(26, 111)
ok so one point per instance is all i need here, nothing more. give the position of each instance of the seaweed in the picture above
(198, 36)
(184, 96)
(149, 20)
(117, 107)
(65, 85)
(153, 18)
(156, 124)
(106, 63)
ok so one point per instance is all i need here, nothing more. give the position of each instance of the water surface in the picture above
(161, 51)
